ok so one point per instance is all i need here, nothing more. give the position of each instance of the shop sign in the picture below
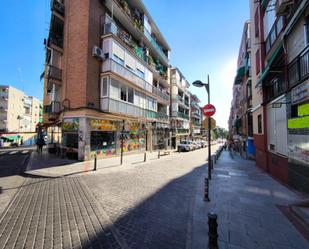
(300, 93)
(70, 124)
(102, 125)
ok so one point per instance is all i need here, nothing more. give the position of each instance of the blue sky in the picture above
(204, 36)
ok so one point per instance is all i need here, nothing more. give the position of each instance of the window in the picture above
(256, 23)
(102, 140)
(104, 87)
(259, 124)
(114, 89)
(123, 93)
(257, 62)
(70, 140)
(130, 95)
(118, 59)
(140, 73)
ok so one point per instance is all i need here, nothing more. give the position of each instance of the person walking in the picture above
(40, 144)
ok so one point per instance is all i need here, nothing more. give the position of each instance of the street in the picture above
(12, 162)
(157, 204)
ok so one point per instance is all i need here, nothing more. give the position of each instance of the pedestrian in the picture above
(40, 144)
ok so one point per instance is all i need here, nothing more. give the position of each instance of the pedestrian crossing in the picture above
(13, 152)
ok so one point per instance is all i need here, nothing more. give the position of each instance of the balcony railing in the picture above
(298, 69)
(53, 107)
(186, 102)
(156, 46)
(57, 6)
(116, 106)
(162, 116)
(275, 31)
(113, 66)
(54, 73)
(180, 98)
(180, 115)
(55, 39)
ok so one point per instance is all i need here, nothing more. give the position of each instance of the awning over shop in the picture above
(270, 62)
(11, 138)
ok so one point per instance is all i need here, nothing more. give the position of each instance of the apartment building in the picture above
(180, 107)
(195, 116)
(241, 125)
(106, 78)
(19, 113)
(280, 72)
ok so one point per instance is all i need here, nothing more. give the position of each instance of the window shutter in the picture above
(257, 62)
(118, 51)
(130, 61)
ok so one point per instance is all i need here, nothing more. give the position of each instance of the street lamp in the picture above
(199, 83)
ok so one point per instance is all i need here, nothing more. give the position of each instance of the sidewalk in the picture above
(248, 203)
(49, 165)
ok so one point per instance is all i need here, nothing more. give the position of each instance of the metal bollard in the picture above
(158, 154)
(212, 231)
(206, 190)
(95, 163)
(145, 155)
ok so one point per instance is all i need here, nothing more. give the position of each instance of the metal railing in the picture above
(298, 69)
(57, 6)
(180, 98)
(275, 31)
(54, 73)
(156, 45)
(53, 107)
(180, 115)
(162, 116)
(55, 39)
(160, 93)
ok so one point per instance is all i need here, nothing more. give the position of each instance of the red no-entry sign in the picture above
(209, 110)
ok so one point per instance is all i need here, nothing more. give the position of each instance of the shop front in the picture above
(70, 128)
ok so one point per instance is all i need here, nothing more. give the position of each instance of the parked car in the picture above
(197, 145)
(185, 146)
(203, 143)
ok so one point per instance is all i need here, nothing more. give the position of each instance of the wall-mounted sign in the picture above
(70, 124)
(102, 125)
(300, 93)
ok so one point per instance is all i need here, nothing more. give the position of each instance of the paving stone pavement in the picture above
(55, 213)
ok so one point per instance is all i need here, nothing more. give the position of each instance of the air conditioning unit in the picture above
(282, 5)
(98, 52)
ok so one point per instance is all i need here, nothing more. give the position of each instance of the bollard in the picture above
(211, 164)
(95, 163)
(212, 231)
(145, 155)
(158, 154)
(206, 190)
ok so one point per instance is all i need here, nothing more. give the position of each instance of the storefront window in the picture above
(102, 140)
(70, 140)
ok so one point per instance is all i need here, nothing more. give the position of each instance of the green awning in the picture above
(15, 137)
(269, 63)
(241, 71)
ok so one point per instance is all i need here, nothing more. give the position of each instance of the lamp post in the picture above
(199, 83)
(122, 137)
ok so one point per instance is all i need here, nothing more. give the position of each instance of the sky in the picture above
(204, 36)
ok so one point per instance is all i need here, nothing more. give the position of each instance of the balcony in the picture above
(180, 98)
(52, 108)
(163, 95)
(181, 115)
(274, 33)
(57, 6)
(196, 123)
(55, 39)
(54, 73)
(116, 106)
(112, 66)
(156, 46)
(298, 69)
(162, 116)
(157, 69)
(134, 24)
(196, 114)
(186, 102)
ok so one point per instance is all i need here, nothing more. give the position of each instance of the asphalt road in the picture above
(13, 162)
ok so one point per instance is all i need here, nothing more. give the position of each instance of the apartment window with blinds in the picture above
(130, 95)
(118, 59)
(114, 89)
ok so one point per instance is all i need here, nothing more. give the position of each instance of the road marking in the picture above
(13, 152)
(2, 152)
(25, 151)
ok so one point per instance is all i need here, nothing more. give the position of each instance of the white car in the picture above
(185, 146)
